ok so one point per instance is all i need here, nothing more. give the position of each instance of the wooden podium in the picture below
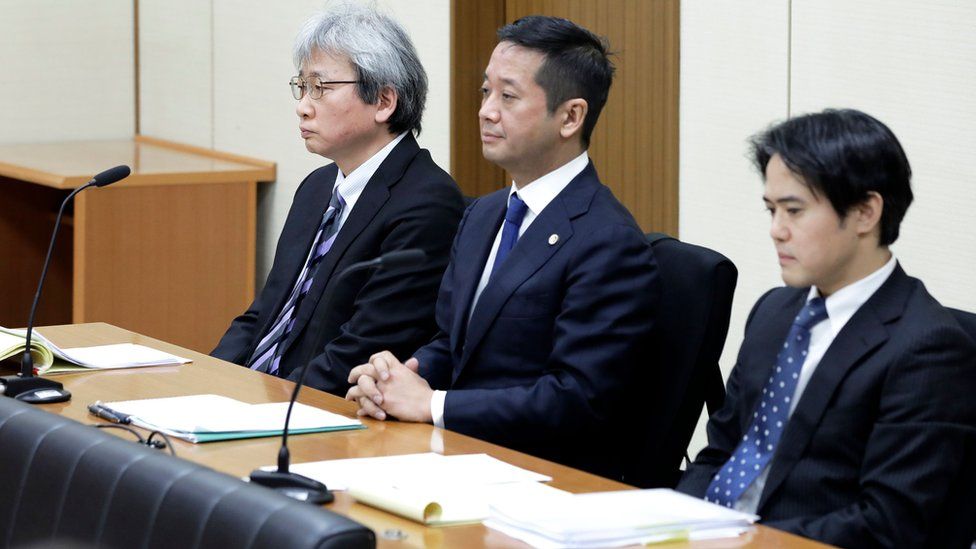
(168, 252)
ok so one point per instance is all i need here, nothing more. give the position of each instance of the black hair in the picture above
(576, 63)
(843, 154)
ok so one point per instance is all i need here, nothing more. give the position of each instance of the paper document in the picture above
(207, 418)
(426, 470)
(443, 506)
(51, 359)
(120, 355)
(613, 519)
(429, 488)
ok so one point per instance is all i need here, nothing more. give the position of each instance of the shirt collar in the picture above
(539, 193)
(352, 185)
(842, 304)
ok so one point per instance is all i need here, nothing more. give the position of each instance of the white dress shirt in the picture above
(349, 188)
(536, 195)
(841, 306)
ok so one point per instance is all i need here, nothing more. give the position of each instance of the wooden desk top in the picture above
(70, 164)
(239, 458)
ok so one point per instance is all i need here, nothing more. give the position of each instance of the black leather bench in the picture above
(62, 482)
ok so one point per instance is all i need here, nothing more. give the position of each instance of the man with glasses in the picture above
(361, 91)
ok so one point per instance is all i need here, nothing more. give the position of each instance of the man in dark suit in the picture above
(361, 91)
(551, 287)
(850, 414)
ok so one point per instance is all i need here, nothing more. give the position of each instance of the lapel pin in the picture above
(553, 238)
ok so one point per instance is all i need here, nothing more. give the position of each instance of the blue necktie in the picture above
(513, 220)
(267, 354)
(769, 419)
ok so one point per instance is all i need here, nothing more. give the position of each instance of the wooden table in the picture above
(239, 458)
(169, 251)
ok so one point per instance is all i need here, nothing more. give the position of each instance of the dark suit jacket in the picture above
(882, 435)
(408, 203)
(555, 337)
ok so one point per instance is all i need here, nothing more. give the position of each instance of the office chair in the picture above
(962, 500)
(62, 482)
(967, 320)
(691, 324)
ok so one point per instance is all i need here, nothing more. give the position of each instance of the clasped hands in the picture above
(385, 386)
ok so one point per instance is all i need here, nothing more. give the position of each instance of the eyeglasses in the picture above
(314, 85)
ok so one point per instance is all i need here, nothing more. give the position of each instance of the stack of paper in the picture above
(208, 418)
(430, 488)
(13, 343)
(50, 359)
(614, 519)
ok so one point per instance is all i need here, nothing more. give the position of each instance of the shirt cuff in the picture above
(437, 408)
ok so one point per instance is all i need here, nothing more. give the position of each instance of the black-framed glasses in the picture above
(313, 85)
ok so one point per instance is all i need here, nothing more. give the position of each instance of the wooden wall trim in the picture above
(635, 143)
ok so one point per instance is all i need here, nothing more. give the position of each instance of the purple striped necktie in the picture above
(267, 354)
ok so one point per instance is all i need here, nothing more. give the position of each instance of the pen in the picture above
(102, 411)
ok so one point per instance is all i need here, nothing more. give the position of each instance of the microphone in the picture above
(110, 176)
(25, 386)
(292, 484)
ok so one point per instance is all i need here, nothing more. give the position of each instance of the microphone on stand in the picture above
(25, 386)
(292, 484)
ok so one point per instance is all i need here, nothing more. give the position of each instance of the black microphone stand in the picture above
(298, 486)
(25, 386)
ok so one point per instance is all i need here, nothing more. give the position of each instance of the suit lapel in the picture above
(483, 227)
(307, 225)
(530, 253)
(863, 333)
(369, 203)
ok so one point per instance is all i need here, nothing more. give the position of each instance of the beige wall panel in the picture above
(175, 70)
(913, 66)
(428, 22)
(67, 70)
(254, 113)
(733, 82)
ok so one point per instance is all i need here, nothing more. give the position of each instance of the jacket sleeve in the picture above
(607, 312)
(240, 338)
(435, 358)
(395, 307)
(916, 452)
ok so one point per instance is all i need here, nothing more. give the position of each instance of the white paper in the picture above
(430, 470)
(120, 355)
(219, 414)
(614, 518)
(542, 542)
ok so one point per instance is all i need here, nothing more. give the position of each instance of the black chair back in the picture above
(689, 334)
(962, 500)
(967, 320)
(64, 483)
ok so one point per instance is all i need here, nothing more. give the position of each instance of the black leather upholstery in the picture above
(967, 320)
(64, 482)
(689, 334)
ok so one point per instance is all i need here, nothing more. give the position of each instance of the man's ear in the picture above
(867, 213)
(572, 113)
(386, 104)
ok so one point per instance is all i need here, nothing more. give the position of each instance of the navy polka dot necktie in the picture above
(769, 419)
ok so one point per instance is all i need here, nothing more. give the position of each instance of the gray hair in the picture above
(380, 51)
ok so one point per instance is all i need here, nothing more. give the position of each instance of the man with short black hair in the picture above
(850, 415)
(552, 286)
(361, 91)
